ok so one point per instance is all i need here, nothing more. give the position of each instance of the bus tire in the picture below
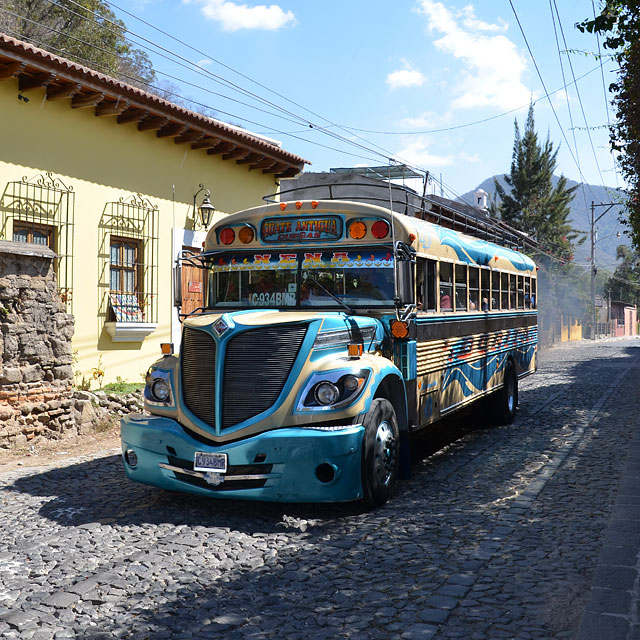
(505, 401)
(380, 452)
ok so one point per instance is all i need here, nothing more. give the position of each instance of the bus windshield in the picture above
(333, 279)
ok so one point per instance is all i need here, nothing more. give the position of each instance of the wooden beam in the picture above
(27, 83)
(263, 164)
(171, 130)
(152, 123)
(11, 69)
(189, 136)
(289, 173)
(238, 152)
(276, 168)
(223, 147)
(252, 158)
(85, 100)
(206, 143)
(132, 114)
(59, 92)
(111, 108)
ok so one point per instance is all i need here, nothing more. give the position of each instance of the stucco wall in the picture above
(102, 162)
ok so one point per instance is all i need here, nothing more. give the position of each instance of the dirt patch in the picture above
(58, 450)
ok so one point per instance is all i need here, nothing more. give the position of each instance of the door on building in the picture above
(193, 284)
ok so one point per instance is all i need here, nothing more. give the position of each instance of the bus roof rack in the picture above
(454, 215)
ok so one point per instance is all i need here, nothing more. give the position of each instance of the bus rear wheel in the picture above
(380, 452)
(504, 402)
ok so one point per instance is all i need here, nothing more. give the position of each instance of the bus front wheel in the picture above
(506, 400)
(380, 452)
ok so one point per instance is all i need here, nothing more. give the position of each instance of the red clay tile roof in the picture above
(86, 88)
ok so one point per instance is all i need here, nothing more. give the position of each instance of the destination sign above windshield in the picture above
(301, 229)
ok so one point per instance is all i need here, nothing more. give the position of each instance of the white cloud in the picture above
(205, 62)
(417, 153)
(493, 66)
(233, 16)
(426, 120)
(404, 78)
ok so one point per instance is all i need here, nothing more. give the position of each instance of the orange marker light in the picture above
(227, 235)
(283, 206)
(412, 237)
(355, 350)
(298, 204)
(357, 230)
(167, 348)
(245, 235)
(314, 204)
(399, 329)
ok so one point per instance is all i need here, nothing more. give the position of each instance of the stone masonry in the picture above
(36, 374)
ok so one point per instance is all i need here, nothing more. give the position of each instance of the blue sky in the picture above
(353, 82)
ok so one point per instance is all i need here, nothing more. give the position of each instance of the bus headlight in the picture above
(332, 389)
(326, 393)
(158, 387)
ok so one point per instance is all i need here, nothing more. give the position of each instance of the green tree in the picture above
(619, 21)
(533, 204)
(624, 285)
(85, 31)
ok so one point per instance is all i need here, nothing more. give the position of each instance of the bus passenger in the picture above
(445, 301)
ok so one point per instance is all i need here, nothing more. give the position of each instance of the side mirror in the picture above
(405, 259)
(177, 284)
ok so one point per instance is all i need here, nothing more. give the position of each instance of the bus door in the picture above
(193, 283)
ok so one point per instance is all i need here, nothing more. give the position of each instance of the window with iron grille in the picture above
(40, 210)
(129, 250)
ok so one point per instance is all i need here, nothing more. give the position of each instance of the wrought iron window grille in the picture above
(41, 210)
(128, 254)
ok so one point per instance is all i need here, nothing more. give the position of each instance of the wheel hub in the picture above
(384, 453)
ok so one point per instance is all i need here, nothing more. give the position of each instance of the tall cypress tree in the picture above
(533, 204)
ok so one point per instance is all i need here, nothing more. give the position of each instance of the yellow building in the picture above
(110, 178)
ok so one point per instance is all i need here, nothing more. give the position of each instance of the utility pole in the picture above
(594, 270)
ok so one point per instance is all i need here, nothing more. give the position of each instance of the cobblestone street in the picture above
(496, 535)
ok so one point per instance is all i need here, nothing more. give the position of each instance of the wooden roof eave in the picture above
(62, 79)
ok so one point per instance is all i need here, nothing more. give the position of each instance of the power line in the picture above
(535, 64)
(586, 124)
(604, 91)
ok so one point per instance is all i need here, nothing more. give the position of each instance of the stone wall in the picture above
(36, 374)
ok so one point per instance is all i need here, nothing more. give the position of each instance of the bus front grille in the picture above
(257, 365)
(256, 368)
(198, 357)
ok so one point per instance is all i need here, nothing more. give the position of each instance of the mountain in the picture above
(608, 227)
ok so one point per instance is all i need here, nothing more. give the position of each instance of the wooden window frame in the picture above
(30, 227)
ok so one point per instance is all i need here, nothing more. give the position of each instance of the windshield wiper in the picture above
(308, 276)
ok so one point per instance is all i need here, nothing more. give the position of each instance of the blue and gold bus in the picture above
(330, 332)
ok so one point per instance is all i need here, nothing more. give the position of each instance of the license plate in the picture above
(203, 461)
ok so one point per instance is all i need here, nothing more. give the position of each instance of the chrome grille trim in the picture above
(338, 337)
(227, 478)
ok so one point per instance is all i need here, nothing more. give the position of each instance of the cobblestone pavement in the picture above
(497, 535)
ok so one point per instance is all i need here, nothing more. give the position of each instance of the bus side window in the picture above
(520, 292)
(446, 286)
(504, 285)
(461, 287)
(495, 290)
(420, 294)
(485, 289)
(534, 293)
(474, 288)
(527, 292)
(512, 292)
(431, 285)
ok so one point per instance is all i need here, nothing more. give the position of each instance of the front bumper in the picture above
(291, 464)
